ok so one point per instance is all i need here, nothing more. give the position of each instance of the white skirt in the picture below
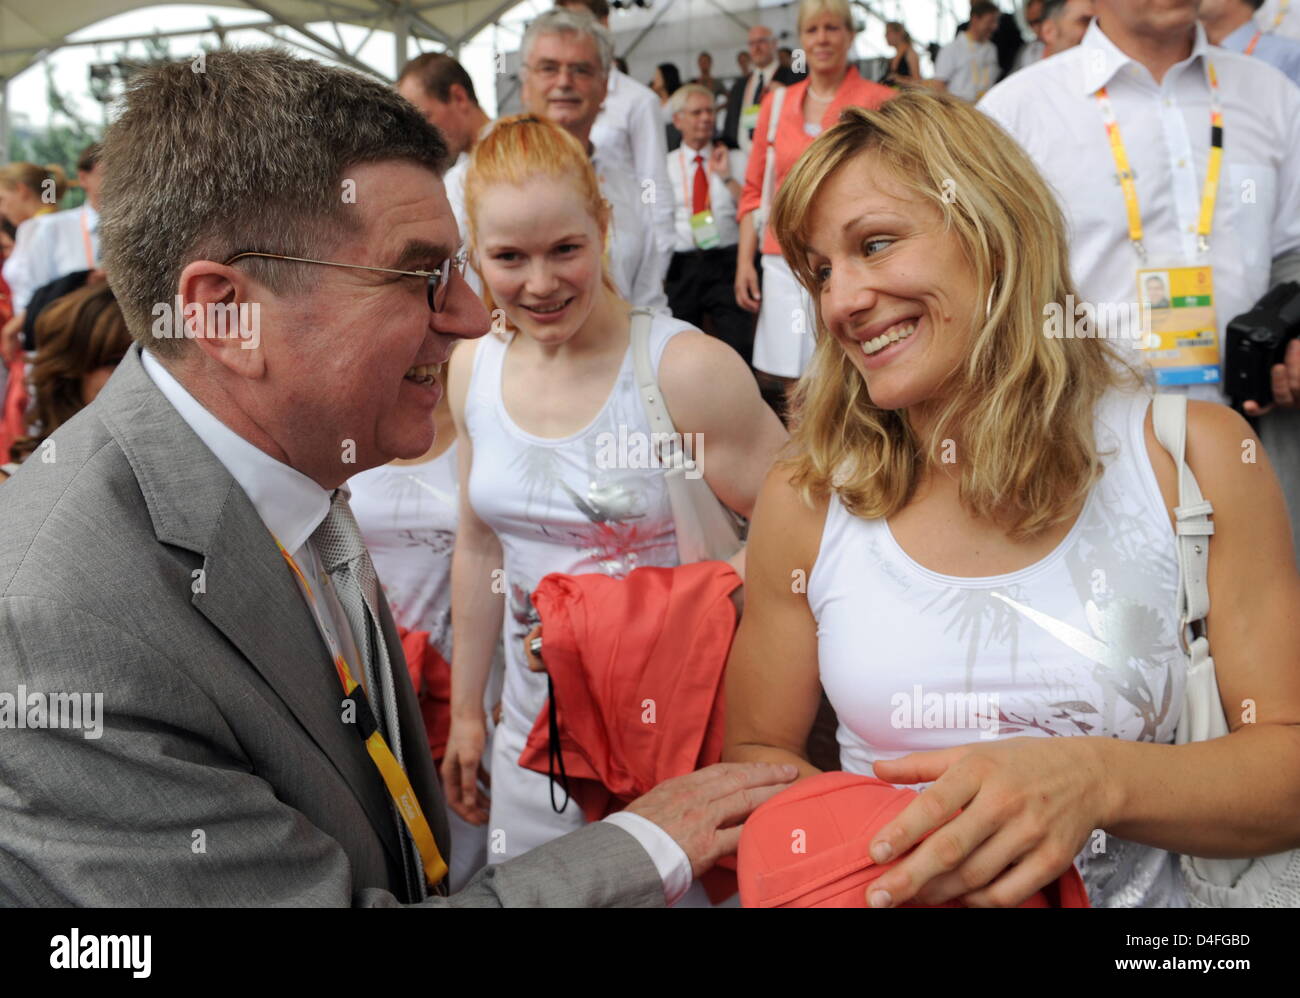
(783, 343)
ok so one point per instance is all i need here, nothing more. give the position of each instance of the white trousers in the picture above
(783, 342)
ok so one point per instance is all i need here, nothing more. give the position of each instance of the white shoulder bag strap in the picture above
(769, 167)
(706, 530)
(1202, 716)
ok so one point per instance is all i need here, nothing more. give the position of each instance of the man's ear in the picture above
(218, 307)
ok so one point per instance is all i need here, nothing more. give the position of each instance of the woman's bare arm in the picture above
(773, 682)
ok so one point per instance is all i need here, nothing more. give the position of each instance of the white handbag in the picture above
(764, 208)
(1265, 881)
(706, 529)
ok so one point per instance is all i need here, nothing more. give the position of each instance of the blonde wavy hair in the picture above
(1022, 404)
(518, 148)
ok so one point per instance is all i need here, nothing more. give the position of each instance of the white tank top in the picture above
(556, 505)
(407, 515)
(1083, 642)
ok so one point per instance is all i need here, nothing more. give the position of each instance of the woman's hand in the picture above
(747, 291)
(462, 769)
(1027, 807)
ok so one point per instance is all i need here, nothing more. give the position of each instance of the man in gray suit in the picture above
(278, 238)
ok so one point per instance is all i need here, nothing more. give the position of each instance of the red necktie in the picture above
(700, 198)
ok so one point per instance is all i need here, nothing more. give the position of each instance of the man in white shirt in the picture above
(442, 91)
(629, 137)
(1153, 59)
(706, 189)
(968, 65)
(1032, 51)
(1065, 22)
(1231, 24)
(1280, 17)
(566, 58)
(747, 93)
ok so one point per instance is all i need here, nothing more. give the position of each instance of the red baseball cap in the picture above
(807, 847)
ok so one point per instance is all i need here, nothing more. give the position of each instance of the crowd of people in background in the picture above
(738, 275)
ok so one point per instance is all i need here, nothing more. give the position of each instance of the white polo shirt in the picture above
(629, 137)
(1289, 26)
(635, 260)
(1050, 108)
(50, 246)
(967, 66)
(681, 173)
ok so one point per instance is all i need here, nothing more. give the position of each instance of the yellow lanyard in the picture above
(1278, 18)
(1210, 191)
(980, 76)
(395, 779)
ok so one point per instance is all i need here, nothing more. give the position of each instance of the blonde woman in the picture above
(783, 341)
(982, 515)
(537, 408)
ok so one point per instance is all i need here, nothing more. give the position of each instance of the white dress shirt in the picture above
(1290, 26)
(1050, 108)
(744, 136)
(1030, 53)
(681, 171)
(636, 261)
(292, 506)
(454, 182)
(629, 138)
(967, 66)
(49, 246)
(1277, 50)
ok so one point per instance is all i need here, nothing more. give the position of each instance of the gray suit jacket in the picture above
(225, 774)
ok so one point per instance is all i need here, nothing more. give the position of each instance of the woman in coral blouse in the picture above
(783, 343)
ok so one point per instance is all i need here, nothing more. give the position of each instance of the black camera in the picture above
(1256, 341)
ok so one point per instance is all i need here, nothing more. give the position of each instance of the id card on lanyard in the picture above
(1181, 342)
(390, 770)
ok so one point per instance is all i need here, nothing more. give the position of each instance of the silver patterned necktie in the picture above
(351, 574)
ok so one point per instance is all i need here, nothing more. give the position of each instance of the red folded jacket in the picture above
(431, 676)
(807, 847)
(636, 666)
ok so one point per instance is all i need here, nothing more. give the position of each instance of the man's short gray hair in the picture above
(677, 102)
(247, 153)
(563, 21)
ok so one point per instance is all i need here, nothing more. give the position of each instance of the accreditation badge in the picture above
(749, 119)
(704, 230)
(1181, 342)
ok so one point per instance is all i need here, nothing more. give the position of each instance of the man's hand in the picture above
(703, 810)
(720, 161)
(1286, 384)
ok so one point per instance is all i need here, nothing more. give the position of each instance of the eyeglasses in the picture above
(439, 280)
(547, 70)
